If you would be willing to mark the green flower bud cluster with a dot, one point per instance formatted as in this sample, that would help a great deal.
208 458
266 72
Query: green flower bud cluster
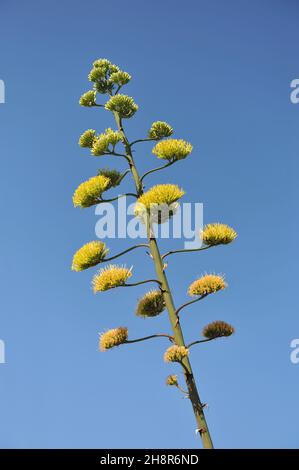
101 143
159 130
113 175
123 105
88 99
120 78
106 75
88 138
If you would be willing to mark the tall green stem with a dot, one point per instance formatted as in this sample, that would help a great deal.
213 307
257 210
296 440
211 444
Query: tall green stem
176 328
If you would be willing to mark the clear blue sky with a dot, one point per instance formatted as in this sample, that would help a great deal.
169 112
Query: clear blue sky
220 73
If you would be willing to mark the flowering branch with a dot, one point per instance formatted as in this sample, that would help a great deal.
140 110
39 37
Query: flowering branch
182 390
101 200
157 169
140 140
125 173
116 154
117 90
126 251
188 303
201 341
141 282
185 251
214 330
172 380
159 335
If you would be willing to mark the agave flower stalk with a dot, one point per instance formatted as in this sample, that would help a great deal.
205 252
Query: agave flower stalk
105 77
193 394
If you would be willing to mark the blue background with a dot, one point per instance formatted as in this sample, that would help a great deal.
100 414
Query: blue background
220 73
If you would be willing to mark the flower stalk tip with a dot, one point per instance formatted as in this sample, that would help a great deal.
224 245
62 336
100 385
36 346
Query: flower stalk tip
101 75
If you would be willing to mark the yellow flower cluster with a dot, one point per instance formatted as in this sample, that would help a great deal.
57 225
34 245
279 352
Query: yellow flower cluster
151 304
172 149
101 143
159 130
123 105
97 73
89 255
120 78
217 329
87 138
172 380
99 146
218 234
159 202
176 353
207 284
88 99
105 65
110 277
113 338
160 194
101 73
89 192
106 75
